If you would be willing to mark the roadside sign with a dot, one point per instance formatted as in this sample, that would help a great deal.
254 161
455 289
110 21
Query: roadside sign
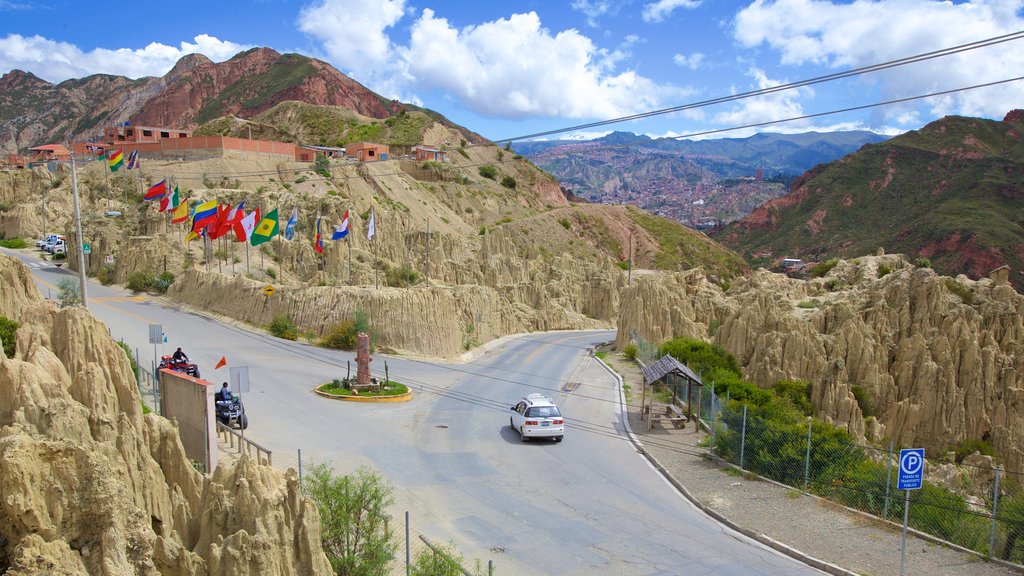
911 469
87 248
109 259
240 379
269 290
156 334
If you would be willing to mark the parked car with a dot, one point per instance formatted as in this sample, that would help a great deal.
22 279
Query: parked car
49 237
59 248
537 416
52 246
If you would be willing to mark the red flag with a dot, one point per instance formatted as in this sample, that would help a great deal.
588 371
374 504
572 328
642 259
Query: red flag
217 228
223 362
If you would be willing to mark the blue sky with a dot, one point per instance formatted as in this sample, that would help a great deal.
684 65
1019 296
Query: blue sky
507 69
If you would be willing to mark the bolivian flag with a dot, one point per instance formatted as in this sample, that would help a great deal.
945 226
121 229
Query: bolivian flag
266 229
115 159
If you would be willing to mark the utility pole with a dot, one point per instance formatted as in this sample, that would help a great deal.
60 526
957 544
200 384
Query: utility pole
629 273
78 225
426 251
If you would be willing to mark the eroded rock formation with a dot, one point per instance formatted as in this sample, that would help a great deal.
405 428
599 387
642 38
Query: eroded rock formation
91 485
939 358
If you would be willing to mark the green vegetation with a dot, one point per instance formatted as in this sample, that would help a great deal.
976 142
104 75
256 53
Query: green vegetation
508 182
922 263
68 293
252 91
282 326
630 351
863 400
131 357
441 561
342 336
488 171
807 304
970 446
624 264
353 519
965 293
105 274
565 223
322 165
344 388
14 243
681 248
884 270
7 336
402 276
145 281
822 268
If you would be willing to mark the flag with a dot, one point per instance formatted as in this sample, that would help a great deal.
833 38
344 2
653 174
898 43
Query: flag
220 226
168 203
156 191
373 227
206 214
234 217
223 362
244 228
318 245
289 228
342 230
115 159
180 213
133 161
266 229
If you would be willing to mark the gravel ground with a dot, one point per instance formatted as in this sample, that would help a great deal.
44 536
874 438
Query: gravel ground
849 542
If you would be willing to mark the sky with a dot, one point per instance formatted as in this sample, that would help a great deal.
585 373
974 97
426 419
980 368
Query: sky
511 69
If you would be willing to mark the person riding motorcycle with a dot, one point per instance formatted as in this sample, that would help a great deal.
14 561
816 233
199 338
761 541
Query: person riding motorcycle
224 394
179 356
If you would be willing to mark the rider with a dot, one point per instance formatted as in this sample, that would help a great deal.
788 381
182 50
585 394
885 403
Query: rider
179 356
224 394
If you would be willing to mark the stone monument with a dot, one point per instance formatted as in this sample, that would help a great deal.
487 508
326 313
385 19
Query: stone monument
363 359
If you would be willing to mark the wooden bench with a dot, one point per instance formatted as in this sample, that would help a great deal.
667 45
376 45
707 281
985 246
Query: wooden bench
672 413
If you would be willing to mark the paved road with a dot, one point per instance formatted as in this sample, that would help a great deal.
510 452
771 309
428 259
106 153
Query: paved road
587 506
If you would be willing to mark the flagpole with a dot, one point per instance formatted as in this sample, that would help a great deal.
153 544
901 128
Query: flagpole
247 257
349 242
106 178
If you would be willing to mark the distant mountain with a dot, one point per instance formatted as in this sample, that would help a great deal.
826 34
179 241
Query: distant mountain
950 192
692 181
196 90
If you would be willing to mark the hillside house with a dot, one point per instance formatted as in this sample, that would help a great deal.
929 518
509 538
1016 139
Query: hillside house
48 153
367 151
15 161
429 153
125 134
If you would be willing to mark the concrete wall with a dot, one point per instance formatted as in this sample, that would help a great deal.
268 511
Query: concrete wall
195 147
190 401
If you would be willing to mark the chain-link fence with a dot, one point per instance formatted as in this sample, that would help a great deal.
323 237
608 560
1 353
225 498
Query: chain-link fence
975 506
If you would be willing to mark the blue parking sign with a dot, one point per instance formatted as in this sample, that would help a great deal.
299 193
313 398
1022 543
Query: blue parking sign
911 475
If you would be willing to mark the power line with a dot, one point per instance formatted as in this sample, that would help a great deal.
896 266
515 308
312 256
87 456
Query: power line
799 84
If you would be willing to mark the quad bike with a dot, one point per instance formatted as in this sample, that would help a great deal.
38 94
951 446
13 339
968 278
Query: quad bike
179 366
231 413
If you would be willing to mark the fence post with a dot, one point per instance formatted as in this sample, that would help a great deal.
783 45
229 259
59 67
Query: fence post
408 566
995 510
711 422
490 568
743 436
807 459
888 482
300 469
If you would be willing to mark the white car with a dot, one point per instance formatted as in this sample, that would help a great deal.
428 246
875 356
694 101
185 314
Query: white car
53 245
48 238
537 416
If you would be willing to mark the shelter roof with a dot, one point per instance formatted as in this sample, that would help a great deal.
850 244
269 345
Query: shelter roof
55 148
668 365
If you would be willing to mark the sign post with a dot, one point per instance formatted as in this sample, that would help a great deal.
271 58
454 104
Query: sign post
911 477
156 336
239 376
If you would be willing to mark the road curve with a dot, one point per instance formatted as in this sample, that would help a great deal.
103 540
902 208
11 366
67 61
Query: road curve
587 506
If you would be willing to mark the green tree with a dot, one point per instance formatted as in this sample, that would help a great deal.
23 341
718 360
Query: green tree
488 171
68 293
353 520
444 561
7 329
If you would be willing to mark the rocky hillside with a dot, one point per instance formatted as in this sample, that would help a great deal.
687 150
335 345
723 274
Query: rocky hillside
92 485
950 192
505 252
695 182
938 359
196 90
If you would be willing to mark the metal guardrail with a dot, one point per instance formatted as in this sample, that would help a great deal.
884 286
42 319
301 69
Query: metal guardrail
230 434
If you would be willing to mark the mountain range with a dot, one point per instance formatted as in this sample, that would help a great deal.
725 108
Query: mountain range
948 194
694 181
196 90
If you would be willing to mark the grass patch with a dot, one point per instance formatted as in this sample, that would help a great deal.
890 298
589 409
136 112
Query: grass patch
342 388
965 293
822 268
14 243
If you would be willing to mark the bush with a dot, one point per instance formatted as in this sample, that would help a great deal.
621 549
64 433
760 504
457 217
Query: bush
488 171
14 243
797 393
401 276
700 356
863 400
629 351
445 561
131 357
342 336
508 182
7 329
623 264
140 281
162 282
271 273
884 270
353 519
282 326
970 446
965 293
823 268
68 293
105 274
565 223
922 263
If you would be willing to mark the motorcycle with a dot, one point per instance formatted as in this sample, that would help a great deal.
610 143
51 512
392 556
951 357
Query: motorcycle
179 366
231 413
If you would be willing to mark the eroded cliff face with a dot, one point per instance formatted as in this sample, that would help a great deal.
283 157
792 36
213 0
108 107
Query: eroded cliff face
91 485
940 358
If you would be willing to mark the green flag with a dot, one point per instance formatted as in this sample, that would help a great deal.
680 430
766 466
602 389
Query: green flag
266 229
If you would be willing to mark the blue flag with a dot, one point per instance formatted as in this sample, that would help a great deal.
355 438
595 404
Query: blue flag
289 228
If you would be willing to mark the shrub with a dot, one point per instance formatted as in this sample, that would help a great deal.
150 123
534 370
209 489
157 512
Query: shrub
131 357
140 281
162 282
323 165
482 230
629 351
823 268
105 274
863 400
883 270
341 336
623 264
271 273
68 293
488 171
282 326
7 329
508 182
565 223
970 446
401 276
14 243
301 179
965 293
353 519
922 263
442 561
797 392
700 356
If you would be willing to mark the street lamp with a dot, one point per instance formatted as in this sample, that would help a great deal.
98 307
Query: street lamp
78 224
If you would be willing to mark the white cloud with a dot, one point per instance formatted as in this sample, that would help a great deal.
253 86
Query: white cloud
766 108
658 11
509 68
693 61
56 61
864 32
594 9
